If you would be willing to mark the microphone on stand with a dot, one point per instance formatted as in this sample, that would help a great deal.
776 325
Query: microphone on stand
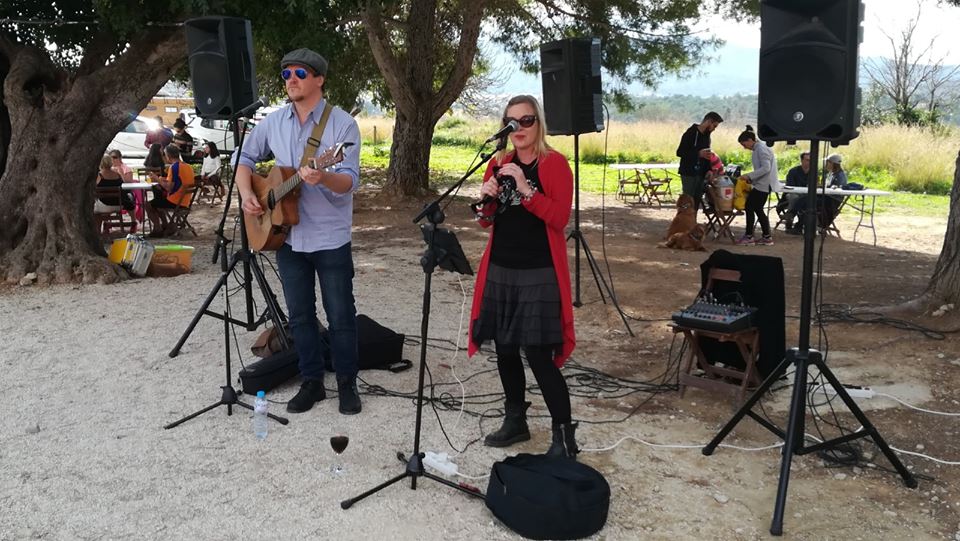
252 108
509 128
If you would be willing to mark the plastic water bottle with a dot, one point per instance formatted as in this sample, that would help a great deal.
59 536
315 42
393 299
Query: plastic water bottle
260 416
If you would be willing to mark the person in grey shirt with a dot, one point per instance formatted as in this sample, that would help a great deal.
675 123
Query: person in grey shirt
763 179
318 247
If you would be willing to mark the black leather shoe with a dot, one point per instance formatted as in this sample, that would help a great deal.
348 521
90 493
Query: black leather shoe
349 396
311 392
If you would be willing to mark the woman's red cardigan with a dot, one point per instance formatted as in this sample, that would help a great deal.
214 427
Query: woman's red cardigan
553 207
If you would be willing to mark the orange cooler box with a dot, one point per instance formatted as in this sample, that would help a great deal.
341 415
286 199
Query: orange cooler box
170 260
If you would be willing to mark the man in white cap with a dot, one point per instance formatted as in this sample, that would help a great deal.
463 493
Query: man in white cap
318 247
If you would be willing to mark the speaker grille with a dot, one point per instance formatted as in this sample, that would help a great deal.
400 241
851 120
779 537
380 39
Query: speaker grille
221 65
801 104
210 76
572 90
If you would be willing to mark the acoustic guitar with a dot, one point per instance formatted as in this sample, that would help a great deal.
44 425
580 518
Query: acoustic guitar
278 194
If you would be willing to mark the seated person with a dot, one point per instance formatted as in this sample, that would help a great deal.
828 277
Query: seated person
171 193
793 204
182 139
108 178
210 172
829 207
154 163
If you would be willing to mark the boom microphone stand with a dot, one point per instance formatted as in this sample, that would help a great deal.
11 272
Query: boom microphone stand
228 397
580 241
802 357
443 250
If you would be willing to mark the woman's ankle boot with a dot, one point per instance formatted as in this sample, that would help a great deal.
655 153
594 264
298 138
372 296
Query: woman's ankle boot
514 428
564 441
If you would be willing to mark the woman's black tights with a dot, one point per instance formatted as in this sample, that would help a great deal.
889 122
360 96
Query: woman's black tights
549 378
756 200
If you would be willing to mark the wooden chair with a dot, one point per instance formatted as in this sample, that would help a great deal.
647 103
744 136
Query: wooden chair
629 185
718 221
662 177
653 187
179 216
719 375
214 190
113 218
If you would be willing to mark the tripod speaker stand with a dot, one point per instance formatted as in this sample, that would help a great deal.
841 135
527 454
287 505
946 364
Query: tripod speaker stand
579 241
250 267
443 250
802 357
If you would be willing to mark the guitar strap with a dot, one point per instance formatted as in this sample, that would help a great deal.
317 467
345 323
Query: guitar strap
313 142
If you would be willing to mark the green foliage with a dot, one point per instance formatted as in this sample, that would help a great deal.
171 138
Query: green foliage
641 41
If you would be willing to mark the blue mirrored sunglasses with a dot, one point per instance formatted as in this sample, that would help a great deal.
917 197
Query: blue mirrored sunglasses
287 73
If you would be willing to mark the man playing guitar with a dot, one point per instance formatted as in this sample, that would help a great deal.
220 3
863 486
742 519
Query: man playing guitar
319 244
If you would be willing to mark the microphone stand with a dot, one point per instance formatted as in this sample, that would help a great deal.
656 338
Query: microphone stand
446 258
273 312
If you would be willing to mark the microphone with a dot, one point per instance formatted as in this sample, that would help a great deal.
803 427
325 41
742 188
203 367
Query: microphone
252 108
511 127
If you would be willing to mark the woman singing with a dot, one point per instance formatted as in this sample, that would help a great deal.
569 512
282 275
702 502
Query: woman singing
522 295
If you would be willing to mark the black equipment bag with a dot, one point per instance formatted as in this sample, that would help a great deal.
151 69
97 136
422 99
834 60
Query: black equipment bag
269 372
377 347
541 497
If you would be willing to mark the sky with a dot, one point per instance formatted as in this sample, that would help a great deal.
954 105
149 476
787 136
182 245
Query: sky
733 68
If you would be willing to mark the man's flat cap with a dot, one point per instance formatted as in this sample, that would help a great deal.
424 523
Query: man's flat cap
308 58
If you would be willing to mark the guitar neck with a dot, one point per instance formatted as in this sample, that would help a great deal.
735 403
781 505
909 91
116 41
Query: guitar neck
287 186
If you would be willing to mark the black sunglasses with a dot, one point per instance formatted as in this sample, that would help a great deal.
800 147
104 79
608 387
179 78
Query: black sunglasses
525 121
287 73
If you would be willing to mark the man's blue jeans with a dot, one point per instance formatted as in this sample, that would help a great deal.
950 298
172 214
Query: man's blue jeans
334 269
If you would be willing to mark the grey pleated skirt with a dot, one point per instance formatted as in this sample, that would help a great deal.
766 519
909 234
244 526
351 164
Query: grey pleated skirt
520 307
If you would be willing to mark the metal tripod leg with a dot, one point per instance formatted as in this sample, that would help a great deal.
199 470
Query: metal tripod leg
597 277
272 312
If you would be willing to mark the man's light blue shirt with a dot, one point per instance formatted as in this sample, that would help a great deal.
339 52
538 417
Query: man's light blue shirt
325 216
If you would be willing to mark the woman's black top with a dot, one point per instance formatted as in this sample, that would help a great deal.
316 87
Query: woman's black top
127 201
519 237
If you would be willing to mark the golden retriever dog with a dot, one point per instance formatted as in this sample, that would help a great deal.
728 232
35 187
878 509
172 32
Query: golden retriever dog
690 240
685 219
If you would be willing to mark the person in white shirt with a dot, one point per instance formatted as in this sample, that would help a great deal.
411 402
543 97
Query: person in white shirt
763 178
210 171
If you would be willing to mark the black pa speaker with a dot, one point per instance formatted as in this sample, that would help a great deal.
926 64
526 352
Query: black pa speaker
808 70
572 94
222 69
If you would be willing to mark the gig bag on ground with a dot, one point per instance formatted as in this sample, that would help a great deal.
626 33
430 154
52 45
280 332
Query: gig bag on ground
542 497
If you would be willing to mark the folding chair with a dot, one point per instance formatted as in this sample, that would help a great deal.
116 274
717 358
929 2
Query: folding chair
662 176
179 217
718 221
652 188
631 180
727 377
113 218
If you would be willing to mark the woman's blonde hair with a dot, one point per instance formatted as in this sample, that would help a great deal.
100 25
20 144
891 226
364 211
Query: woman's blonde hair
541 147
106 162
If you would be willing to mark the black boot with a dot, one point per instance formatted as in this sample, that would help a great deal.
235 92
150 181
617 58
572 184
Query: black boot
349 396
514 428
564 443
311 392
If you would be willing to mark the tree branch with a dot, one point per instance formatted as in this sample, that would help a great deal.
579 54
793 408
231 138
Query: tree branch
390 65
103 45
465 55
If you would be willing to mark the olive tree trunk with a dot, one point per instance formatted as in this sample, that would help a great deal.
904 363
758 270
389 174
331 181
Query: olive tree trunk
944 286
60 123
421 92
